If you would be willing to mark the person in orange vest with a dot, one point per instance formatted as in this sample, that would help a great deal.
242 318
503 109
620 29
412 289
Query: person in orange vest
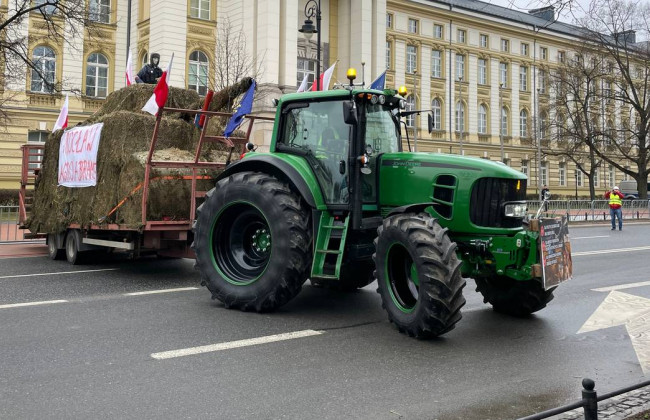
615 198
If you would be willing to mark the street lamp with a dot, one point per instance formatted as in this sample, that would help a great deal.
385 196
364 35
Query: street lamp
503 156
312 9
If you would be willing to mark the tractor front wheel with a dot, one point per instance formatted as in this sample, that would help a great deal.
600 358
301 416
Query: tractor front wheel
418 275
252 242
512 297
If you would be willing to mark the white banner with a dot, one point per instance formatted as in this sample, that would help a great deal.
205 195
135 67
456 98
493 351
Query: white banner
78 156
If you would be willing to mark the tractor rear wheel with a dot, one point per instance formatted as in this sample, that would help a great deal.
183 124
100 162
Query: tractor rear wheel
418 275
512 297
252 242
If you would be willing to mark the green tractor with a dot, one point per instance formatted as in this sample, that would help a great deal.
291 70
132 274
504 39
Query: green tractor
336 200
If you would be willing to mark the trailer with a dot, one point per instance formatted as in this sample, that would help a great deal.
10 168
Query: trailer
165 238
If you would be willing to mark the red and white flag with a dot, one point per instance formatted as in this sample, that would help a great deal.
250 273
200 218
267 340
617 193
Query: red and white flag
303 85
62 122
325 79
129 70
160 92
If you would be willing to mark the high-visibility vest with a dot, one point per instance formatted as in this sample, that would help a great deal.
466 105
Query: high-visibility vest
614 199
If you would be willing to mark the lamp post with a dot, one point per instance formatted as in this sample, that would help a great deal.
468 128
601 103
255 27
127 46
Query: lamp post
460 120
312 9
576 184
503 156
415 117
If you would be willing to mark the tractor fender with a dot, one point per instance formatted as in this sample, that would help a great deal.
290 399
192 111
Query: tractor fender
278 168
411 208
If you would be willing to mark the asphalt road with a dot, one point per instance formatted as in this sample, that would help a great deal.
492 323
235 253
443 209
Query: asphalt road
87 351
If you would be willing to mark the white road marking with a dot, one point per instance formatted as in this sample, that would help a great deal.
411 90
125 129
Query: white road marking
610 251
591 237
153 292
20 305
57 273
620 308
622 286
234 344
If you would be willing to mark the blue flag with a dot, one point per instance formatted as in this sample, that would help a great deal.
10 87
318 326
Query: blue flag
379 82
242 110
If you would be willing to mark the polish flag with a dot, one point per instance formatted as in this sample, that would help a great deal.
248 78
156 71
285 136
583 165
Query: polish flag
325 79
160 92
129 70
62 122
303 85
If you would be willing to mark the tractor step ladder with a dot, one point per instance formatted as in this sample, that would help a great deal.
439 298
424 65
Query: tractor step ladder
325 247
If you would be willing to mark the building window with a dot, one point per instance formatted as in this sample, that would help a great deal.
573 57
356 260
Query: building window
49 9
524 49
145 59
43 75
198 77
544 173
505 45
438 31
200 9
482 119
612 176
596 178
524 167
436 109
562 174
504 121
460 66
36 137
561 56
99 11
389 54
482 71
579 175
626 177
410 106
308 68
389 20
436 63
483 41
97 75
503 74
543 52
543 126
411 58
523 123
461 36
523 78
542 81
413 26
607 91
460 117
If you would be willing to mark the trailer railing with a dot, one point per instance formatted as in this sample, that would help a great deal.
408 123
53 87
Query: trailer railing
588 210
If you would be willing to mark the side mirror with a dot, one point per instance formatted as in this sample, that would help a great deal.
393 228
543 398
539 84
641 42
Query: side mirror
275 102
350 112
430 122
250 147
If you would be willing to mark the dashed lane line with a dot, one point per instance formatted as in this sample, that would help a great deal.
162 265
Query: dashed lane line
610 251
590 237
57 273
23 304
153 292
622 286
234 344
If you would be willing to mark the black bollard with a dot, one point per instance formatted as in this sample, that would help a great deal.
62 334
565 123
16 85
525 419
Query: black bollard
604 216
589 399
586 217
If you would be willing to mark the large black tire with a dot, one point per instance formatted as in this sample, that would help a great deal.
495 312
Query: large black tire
354 275
252 241
53 250
418 275
512 297
72 245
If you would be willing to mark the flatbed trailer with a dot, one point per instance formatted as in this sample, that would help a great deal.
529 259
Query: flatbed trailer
166 238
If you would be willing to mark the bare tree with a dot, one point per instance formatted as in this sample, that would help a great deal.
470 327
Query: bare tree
57 21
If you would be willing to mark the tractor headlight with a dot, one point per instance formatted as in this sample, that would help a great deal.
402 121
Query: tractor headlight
382 99
374 99
515 210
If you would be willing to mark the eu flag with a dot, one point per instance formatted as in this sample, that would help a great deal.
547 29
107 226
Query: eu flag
242 110
379 82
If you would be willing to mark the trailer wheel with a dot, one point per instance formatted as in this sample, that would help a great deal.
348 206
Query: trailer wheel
354 275
72 253
512 297
53 250
252 241
418 275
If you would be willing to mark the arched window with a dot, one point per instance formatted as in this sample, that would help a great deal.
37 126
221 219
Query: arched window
410 106
198 78
44 73
97 75
482 119
504 121
145 59
436 108
460 116
523 123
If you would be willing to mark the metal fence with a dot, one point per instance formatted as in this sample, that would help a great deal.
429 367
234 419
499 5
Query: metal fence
9 230
587 210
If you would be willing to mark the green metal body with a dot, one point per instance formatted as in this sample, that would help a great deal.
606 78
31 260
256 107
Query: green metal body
406 178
